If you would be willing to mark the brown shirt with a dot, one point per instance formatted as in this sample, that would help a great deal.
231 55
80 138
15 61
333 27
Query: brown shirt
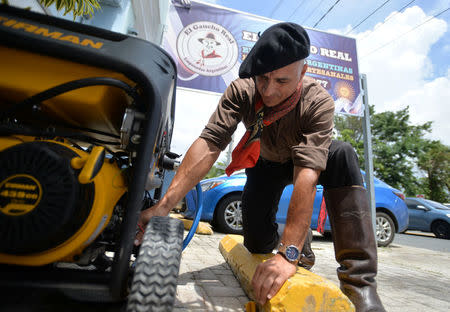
303 135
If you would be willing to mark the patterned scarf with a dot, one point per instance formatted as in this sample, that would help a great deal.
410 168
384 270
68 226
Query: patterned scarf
322 217
246 153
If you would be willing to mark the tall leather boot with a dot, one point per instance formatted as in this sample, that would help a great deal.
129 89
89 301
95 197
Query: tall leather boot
308 258
354 246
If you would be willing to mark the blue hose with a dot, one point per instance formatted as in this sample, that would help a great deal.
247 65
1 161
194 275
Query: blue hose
198 213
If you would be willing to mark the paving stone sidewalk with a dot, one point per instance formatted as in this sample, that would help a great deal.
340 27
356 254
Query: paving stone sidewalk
206 282
409 279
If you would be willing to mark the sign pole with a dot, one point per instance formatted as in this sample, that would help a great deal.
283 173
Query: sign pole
368 155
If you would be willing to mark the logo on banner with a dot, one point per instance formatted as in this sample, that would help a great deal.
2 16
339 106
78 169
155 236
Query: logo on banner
207 48
345 101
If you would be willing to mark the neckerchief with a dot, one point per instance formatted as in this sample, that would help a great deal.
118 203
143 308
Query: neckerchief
246 153
322 217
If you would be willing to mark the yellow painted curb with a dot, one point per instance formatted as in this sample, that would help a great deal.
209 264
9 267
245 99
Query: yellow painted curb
305 291
203 227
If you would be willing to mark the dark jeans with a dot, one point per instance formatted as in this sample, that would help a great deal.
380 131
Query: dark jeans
266 181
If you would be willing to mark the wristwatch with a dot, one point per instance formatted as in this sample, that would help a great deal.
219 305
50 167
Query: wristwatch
290 253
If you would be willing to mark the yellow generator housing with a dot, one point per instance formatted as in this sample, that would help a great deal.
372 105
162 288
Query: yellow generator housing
86 119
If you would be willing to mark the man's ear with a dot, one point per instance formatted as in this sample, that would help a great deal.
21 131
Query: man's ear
304 69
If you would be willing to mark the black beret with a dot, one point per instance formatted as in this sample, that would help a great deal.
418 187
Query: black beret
279 45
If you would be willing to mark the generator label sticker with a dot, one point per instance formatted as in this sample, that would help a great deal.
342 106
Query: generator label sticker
19 194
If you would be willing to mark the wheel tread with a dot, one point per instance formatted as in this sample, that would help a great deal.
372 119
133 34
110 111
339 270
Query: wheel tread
157 266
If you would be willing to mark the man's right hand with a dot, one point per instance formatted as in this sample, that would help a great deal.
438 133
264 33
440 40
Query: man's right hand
198 160
144 219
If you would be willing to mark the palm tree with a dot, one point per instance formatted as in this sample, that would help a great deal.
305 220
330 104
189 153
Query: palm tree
77 7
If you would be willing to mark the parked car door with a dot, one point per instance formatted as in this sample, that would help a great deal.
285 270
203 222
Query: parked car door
284 205
417 215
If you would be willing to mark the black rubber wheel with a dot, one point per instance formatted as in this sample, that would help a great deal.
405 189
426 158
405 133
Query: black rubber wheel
441 229
157 266
385 229
228 215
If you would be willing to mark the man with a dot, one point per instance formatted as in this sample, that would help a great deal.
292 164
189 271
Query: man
289 121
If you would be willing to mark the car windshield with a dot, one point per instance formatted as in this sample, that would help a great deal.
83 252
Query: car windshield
436 205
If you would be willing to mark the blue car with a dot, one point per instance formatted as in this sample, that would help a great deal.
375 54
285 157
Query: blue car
428 216
222 206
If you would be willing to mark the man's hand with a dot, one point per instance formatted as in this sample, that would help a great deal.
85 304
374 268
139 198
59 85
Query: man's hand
270 276
198 160
144 218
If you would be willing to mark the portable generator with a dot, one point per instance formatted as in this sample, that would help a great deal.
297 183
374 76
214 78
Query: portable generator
86 120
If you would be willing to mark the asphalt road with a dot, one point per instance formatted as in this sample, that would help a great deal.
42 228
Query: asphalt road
415 239
422 240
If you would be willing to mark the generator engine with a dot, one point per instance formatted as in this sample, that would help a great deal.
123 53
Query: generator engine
55 199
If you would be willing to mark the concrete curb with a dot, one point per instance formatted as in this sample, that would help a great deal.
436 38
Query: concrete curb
305 291
203 227
417 233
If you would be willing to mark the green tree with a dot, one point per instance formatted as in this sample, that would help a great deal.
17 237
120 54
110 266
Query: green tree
435 162
76 7
396 144
349 129
216 170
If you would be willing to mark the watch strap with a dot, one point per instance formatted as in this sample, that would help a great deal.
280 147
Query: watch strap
282 248
295 262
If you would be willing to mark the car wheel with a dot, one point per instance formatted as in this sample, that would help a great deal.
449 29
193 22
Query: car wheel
441 229
228 215
385 229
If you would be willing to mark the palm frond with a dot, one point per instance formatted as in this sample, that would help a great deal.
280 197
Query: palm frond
76 7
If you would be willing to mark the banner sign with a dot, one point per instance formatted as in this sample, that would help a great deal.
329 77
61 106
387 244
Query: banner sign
210 42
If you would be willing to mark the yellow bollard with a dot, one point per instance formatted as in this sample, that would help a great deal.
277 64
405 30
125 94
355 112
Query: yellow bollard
203 227
304 291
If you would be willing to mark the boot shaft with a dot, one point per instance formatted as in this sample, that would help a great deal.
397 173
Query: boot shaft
354 245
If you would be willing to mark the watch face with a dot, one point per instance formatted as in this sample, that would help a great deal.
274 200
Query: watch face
292 253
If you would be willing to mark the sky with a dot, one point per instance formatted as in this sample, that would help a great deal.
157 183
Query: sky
402 49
